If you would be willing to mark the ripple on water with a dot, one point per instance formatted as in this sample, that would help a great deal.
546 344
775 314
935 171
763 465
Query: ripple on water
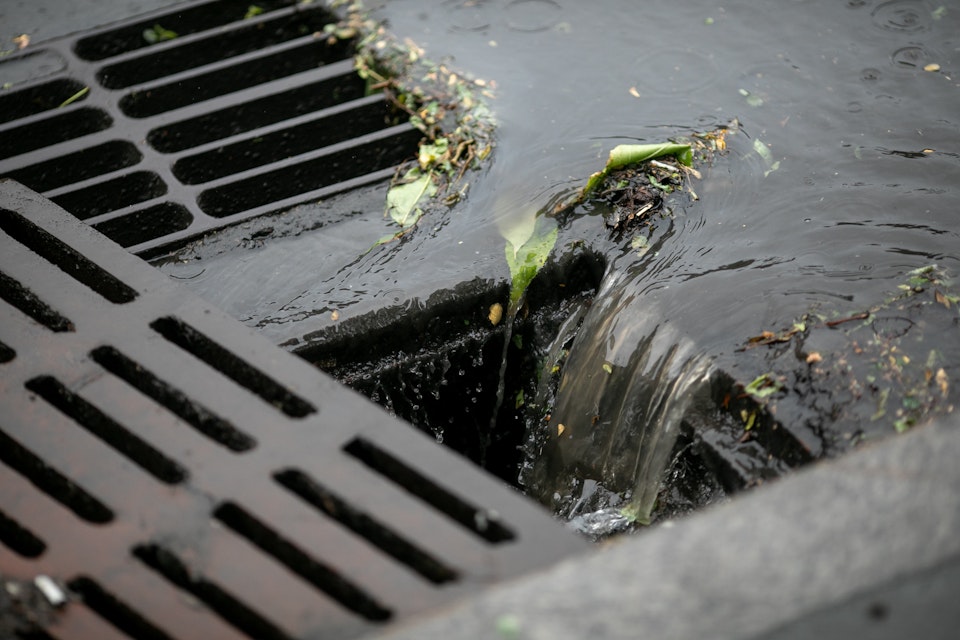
529 16
906 16
910 58
468 15
674 71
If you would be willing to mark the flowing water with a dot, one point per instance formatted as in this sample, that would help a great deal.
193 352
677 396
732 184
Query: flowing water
842 178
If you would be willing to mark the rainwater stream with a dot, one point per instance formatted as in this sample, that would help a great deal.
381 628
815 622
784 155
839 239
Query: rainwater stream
856 104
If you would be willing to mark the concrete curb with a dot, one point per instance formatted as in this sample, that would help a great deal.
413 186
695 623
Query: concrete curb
863 546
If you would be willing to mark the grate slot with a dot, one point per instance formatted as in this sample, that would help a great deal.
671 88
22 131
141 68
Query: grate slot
167 564
248 192
77 166
229 364
183 22
65 257
256 113
288 554
37 99
20 539
111 195
50 131
6 353
115 611
109 431
245 74
146 224
23 299
51 482
272 147
246 37
366 527
199 417
483 523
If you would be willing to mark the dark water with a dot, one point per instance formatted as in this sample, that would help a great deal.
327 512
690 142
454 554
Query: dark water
859 185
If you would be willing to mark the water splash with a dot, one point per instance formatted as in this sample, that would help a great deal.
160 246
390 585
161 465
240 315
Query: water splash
628 382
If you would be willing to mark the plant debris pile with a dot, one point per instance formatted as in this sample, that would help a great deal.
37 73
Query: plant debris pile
875 372
449 108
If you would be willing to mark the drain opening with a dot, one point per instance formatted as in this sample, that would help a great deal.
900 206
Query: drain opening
200 418
50 131
80 165
115 611
183 22
93 420
366 527
243 75
317 574
283 144
19 539
485 524
242 39
34 100
51 482
65 257
257 113
308 175
112 194
233 611
6 353
23 299
146 224
232 366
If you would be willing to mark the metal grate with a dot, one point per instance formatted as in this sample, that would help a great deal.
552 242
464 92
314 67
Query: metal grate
184 478
237 116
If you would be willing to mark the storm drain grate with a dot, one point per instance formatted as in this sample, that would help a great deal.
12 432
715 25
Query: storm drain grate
184 478
243 113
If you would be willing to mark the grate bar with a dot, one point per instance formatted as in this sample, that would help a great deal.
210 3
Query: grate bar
217 84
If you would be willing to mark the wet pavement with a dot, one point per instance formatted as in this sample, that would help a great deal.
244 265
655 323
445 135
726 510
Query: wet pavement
864 132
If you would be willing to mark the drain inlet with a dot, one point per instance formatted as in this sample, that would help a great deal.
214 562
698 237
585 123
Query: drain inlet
483 523
19 539
115 611
65 258
51 482
77 166
363 525
202 419
235 368
23 299
171 567
288 554
93 420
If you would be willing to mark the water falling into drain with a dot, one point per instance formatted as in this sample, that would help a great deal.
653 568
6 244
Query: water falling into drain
625 388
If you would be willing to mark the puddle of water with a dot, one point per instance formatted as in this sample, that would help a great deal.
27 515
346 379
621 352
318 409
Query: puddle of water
867 150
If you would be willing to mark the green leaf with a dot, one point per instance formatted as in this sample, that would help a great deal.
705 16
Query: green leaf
430 153
626 154
74 97
252 12
158 34
526 260
762 386
402 198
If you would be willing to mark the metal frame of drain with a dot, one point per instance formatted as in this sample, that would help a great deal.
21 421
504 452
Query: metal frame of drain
237 116
182 477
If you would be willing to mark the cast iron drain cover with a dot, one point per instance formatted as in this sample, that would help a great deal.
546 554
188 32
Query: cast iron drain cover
184 478
236 116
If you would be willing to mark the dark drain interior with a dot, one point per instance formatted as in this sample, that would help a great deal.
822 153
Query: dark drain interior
241 113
